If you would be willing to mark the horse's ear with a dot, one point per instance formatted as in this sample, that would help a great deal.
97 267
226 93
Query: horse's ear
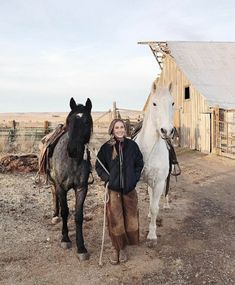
72 104
154 87
170 87
88 104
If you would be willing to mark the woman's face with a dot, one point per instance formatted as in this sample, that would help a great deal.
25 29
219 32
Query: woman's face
119 130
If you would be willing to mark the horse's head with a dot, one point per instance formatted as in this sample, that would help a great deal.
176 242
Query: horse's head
79 125
161 110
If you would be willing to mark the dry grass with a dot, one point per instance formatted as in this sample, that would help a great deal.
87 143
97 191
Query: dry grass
4 145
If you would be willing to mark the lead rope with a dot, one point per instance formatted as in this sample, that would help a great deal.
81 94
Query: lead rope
105 200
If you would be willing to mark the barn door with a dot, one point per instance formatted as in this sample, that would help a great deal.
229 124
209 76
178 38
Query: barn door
205 132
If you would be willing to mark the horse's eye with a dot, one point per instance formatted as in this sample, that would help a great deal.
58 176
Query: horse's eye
173 104
154 104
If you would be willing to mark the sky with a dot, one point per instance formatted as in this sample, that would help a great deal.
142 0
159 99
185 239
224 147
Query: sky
52 50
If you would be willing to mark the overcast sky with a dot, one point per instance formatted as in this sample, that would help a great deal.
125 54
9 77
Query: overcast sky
51 50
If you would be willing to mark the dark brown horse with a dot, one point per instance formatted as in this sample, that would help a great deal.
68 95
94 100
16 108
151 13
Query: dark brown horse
70 168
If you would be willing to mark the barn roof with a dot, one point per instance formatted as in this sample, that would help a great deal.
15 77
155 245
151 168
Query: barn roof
209 66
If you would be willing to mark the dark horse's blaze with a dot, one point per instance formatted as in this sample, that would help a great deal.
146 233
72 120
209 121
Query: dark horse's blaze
70 168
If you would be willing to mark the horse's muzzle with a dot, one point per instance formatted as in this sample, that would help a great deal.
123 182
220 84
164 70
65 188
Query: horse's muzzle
167 134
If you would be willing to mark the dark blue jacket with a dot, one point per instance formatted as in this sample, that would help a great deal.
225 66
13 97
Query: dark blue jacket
124 174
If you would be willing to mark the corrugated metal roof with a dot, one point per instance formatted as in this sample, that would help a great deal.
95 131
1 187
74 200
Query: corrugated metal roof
210 67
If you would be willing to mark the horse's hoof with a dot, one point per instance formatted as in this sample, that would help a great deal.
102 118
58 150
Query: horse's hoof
83 256
151 243
166 206
55 220
66 245
151 236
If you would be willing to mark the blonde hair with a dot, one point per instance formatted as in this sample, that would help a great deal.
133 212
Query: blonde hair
112 140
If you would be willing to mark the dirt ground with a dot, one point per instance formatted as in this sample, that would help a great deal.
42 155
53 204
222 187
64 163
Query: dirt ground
195 244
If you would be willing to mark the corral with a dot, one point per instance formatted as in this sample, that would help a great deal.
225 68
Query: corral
195 237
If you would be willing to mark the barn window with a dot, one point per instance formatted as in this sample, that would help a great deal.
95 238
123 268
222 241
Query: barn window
186 93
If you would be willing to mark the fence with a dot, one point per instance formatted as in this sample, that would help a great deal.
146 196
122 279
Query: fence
16 137
21 139
224 132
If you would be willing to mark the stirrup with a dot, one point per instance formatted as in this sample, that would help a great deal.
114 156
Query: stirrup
176 171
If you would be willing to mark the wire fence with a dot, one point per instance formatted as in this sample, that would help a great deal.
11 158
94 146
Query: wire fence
21 139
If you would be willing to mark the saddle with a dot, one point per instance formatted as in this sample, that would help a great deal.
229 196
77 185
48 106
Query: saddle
47 146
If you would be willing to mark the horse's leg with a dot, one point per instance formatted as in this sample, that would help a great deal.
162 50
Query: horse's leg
65 241
80 198
56 206
154 207
166 202
150 192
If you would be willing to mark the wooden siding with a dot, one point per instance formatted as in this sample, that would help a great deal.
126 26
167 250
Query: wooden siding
192 118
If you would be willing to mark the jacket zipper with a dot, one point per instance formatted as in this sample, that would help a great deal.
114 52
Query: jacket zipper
121 166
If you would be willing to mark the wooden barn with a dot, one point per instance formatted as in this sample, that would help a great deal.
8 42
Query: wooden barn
203 80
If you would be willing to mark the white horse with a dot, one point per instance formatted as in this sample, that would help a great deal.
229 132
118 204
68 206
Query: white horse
157 126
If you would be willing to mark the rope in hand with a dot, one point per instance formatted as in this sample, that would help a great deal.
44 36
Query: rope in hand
105 200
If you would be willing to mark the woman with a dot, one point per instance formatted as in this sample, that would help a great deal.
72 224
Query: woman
124 162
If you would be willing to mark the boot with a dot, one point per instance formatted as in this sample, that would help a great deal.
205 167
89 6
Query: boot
114 256
123 255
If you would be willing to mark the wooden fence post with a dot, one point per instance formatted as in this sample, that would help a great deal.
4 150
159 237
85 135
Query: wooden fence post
217 131
114 110
14 124
110 115
46 127
128 127
12 132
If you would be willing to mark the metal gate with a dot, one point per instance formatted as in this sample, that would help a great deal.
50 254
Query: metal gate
224 132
